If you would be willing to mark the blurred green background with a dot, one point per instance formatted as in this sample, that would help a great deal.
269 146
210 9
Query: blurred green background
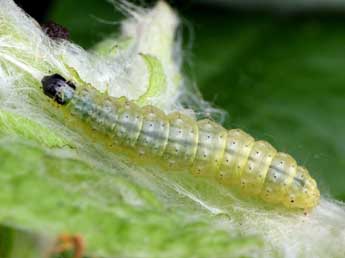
279 74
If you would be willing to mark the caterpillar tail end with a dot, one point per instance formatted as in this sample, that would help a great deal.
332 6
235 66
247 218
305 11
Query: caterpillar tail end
307 198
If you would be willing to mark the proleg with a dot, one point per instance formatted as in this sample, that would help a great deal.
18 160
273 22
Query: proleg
203 147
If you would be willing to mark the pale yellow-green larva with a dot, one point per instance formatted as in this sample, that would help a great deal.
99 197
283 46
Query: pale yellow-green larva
203 147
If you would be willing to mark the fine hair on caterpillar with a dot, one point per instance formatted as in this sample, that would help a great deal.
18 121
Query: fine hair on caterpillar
203 147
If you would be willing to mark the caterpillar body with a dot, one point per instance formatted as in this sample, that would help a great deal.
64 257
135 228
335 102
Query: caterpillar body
233 157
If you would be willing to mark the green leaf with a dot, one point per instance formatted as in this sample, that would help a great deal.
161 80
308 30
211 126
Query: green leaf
6 241
13 124
156 81
48 193
15 242
111 46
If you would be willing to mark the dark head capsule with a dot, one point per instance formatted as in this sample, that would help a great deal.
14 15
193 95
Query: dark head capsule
57 88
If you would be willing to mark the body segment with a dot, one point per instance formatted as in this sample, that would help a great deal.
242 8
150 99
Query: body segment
182 141
204 147
154 135
210 149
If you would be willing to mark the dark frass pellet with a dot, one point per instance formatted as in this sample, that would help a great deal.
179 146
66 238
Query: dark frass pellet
55 31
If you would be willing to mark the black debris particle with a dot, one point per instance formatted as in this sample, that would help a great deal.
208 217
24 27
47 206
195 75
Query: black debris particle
55 31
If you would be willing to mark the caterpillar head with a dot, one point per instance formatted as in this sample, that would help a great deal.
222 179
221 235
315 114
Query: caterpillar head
57 88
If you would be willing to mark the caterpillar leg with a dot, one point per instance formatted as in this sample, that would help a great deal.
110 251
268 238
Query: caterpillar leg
68 244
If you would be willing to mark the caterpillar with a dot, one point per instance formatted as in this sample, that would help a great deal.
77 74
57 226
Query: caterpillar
204 147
